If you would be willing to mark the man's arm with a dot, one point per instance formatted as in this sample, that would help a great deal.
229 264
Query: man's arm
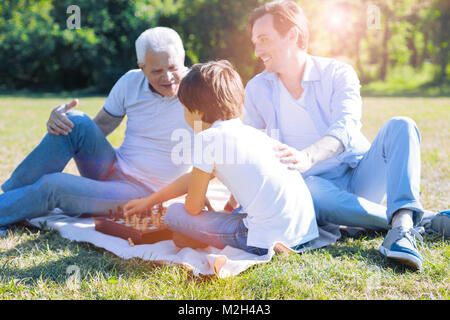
324 149
302 160
345 124
106 122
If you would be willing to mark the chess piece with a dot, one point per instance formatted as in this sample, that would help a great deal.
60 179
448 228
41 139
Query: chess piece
154 217
144 224
138 223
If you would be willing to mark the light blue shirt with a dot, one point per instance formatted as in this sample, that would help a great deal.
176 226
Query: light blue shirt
331 98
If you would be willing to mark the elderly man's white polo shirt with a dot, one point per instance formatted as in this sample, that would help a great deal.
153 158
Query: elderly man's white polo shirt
145 153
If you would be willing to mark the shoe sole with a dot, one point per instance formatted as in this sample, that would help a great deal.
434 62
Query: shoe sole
402 258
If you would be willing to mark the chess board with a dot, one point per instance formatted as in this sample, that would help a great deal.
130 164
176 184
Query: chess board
145 229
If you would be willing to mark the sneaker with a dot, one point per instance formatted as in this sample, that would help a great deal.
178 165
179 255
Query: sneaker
440 223
400 245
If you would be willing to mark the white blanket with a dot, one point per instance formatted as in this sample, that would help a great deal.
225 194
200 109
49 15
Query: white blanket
208 261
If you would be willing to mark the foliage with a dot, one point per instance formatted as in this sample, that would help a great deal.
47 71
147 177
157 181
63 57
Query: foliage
38 51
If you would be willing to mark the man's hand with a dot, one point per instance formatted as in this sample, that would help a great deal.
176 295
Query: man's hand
297 160
59 123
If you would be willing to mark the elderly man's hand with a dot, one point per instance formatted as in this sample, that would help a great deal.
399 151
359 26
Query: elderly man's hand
296 160
59 123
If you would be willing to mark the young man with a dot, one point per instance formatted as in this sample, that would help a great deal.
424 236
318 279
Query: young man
278 206
313 104
109 177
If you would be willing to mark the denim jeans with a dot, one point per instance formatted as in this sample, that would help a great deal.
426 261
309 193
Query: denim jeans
38 186
217 229
390 168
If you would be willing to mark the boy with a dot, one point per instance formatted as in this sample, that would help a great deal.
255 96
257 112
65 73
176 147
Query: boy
278 205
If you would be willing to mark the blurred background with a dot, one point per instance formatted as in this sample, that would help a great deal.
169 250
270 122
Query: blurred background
397 47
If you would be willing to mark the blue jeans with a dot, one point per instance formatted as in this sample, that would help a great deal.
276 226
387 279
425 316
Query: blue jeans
390 168
217 229
38 186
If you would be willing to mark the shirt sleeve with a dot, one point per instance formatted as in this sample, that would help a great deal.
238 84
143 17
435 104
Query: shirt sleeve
345 106
251 115
204 152
115 103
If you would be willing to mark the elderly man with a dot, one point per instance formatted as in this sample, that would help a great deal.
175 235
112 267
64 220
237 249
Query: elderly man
109 177
313 105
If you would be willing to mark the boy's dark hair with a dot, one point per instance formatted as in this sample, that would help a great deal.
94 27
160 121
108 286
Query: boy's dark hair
286 14
214 89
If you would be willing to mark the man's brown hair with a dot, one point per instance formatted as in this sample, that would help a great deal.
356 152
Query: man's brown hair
214 89
286 14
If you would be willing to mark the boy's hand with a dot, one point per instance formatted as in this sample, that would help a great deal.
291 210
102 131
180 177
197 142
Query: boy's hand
137 207
208 205
297 160
230 205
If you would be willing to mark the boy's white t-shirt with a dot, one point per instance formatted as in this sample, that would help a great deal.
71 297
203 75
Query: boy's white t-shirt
277 201
154 123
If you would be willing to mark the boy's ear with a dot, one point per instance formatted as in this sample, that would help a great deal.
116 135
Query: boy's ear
139 65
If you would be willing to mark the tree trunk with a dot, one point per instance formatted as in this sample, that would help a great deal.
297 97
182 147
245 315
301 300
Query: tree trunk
385 51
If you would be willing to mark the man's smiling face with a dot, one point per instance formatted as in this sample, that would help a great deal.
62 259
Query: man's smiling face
270 46
164 71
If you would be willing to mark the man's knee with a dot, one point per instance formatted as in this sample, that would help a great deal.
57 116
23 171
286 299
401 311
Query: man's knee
50 183
77 116
81 121
403 125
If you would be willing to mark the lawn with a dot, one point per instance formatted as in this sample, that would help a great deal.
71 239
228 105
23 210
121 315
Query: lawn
36 264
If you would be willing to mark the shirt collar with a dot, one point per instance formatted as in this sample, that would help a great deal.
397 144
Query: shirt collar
220 123
311 73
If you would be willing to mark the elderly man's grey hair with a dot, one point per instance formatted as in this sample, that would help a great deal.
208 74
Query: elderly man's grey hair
156 40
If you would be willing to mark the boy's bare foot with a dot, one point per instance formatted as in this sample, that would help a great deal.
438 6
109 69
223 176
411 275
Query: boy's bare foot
280 248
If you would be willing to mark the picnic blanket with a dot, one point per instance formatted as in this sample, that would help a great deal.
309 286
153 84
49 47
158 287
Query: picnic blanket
223 263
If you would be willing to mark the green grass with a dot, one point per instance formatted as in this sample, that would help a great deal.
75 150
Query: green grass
34 263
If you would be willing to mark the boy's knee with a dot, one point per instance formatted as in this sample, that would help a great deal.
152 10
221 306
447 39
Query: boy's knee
174 212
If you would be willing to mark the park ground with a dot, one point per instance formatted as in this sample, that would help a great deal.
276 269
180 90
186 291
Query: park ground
34 263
